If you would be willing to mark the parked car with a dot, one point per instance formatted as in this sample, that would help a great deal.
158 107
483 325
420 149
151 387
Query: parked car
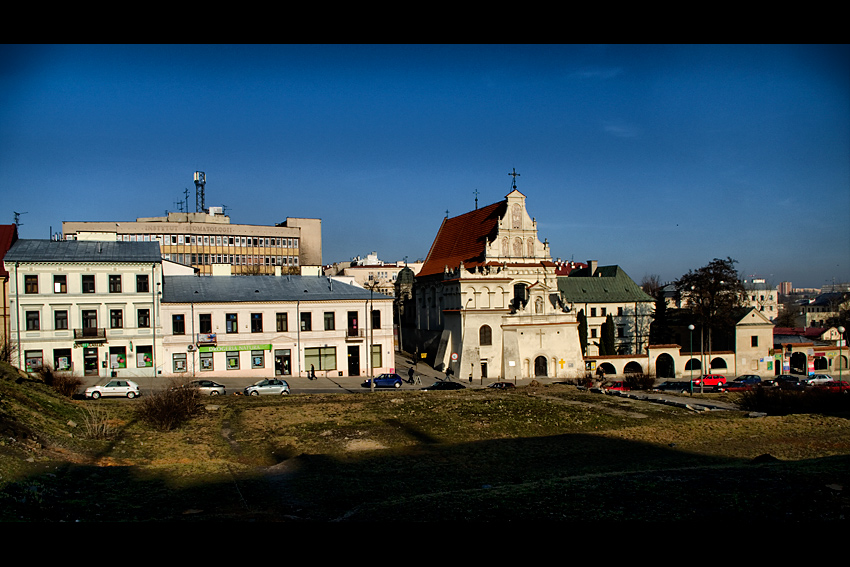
619 386
709 380
673 386
384 381
741 383
208 387
788 382
445 386
268 386
815 379
502 385
835 386
114 388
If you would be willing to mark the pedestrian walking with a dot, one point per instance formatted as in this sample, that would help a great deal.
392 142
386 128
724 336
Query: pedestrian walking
312 375
410 375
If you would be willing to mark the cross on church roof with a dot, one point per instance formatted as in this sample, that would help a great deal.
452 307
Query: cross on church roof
514 174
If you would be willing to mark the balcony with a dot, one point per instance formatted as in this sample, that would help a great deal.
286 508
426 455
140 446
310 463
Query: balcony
90 334
355 334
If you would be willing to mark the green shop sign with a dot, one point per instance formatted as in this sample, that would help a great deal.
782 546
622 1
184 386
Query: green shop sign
230 348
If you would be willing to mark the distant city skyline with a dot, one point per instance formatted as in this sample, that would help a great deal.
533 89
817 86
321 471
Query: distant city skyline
655 158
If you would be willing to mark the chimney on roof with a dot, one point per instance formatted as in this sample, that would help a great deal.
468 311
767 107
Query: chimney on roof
592 265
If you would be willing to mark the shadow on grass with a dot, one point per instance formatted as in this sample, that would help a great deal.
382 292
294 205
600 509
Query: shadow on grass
575 477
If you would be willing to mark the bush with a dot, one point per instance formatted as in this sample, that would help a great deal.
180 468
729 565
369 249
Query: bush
639 381
168 408
775 401
63 382
97 422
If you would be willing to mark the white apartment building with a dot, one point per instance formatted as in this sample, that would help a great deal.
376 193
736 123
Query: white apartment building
274 325
86 307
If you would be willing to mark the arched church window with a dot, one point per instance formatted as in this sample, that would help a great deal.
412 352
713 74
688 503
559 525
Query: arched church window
485 335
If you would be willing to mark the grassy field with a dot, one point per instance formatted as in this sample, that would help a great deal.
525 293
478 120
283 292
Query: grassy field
537 453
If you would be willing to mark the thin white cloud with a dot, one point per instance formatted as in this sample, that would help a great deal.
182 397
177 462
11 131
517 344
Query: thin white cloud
621 130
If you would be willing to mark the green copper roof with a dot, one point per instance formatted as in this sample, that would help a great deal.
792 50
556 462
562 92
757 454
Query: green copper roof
609 284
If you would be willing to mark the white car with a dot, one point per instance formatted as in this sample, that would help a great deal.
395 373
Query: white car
816 379
114 388
271 386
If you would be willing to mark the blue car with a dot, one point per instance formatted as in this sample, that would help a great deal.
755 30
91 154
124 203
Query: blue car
384 381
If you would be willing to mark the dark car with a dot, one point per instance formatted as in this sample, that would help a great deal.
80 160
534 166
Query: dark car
742 383
384 381
834 386
445 386
673 386
501 385
788 382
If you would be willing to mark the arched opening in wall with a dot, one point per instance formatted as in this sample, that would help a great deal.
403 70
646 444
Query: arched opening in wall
841 362
799 362
608 368
718 363
485 335
633 368
821 363
665 366
693 364
541 367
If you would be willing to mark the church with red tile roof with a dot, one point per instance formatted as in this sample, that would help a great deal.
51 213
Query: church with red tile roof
490 288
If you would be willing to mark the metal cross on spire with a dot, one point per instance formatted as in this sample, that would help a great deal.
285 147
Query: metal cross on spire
514 174
476 198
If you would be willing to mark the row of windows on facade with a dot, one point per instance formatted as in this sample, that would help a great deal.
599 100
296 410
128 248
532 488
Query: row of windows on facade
89 319
485 334
231 322
63 360
321 359
240 241
232 259
87 283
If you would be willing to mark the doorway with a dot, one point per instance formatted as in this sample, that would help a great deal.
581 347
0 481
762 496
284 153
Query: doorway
541 367
354 361
90 361
282 362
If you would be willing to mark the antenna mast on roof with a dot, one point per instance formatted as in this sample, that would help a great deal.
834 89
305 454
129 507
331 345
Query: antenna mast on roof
200 182
18 217
514 174
476 198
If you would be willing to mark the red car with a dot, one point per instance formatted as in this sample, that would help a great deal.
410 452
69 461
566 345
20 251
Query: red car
710 380
618 386
834 386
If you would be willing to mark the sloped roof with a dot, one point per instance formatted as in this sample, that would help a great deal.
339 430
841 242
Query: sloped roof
8 236
810 332
608 284
83 251
228 289
464 238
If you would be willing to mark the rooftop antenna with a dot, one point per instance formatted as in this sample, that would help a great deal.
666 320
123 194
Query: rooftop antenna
476 198
514 174
18 217
200 183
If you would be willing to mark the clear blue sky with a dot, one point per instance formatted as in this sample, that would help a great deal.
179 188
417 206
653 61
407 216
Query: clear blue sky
656 158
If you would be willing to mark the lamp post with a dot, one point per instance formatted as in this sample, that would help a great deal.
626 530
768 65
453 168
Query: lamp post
691 361
840 360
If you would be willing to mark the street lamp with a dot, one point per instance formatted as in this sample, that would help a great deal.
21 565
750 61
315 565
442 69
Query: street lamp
691 360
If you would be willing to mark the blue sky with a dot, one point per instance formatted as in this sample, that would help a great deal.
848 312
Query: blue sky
656 158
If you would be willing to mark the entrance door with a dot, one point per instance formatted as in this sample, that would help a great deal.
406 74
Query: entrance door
90 361
354 361
282 362
540 366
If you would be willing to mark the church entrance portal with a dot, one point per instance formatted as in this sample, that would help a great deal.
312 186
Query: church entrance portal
540 366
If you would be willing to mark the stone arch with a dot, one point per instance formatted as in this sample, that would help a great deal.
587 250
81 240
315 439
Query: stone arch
719 363
485 298
608 368
799 362
517 251
633 367
665 366
499 298
693 364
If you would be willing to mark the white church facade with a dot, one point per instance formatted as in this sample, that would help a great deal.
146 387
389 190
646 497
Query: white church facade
489 287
